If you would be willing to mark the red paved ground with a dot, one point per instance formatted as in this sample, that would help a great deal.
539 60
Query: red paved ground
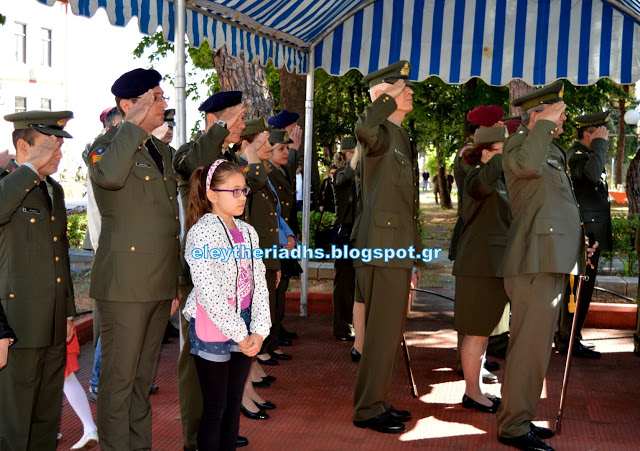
314 396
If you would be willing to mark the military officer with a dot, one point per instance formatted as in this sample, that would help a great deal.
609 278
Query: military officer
386 218
586 159
223 117
37 290
137 259
344 282
546 218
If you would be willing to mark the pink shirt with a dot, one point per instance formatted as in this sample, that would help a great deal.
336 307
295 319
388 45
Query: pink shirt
245 277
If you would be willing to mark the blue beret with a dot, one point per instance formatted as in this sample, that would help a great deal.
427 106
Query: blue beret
221 100
283 118
135 83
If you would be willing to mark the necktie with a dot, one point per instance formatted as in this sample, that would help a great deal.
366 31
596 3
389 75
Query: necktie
285 173
45 191
155 155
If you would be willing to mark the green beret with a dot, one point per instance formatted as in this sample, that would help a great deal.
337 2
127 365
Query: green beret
390 74
489 135
347 143
593 120
279 137
549 94
255 126
46 122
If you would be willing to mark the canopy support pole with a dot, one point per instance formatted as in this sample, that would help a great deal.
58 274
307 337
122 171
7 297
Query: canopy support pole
180 8
306 193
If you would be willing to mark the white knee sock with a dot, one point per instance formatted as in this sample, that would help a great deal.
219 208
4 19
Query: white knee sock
78 399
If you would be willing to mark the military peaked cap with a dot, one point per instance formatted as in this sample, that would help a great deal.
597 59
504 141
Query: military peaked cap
255 126
390 74
170 117
348 142
490 135
279 137
549 94
593 120
46 122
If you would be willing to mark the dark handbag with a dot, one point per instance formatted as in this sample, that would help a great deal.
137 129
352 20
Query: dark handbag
326 237
290 268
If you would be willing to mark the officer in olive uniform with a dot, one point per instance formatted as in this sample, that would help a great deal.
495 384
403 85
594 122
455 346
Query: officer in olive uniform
545 244
344 190
223 116
37 290
586 159
137 260
389 196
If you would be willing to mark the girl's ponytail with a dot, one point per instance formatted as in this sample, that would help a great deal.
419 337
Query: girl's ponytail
198 204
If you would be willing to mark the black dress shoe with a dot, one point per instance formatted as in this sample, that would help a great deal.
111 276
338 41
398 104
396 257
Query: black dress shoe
500 353
469 403
541 432
578 351
241 441
269 378
286 334
259 415
381 423
348 337
400 415
268 405
280 356
528 441
491 366
284 342
588 344
355 355
268 361
153 390
261 384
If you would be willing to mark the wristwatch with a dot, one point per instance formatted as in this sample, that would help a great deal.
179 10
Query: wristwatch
221 123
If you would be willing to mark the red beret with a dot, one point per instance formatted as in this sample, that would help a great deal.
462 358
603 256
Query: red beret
103 115
485 115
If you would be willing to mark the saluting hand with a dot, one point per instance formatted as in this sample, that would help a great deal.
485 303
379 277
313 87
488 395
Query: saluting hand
161 131
140 109
44 153
600 132
552 112
232 115
296 137
251 151
395 89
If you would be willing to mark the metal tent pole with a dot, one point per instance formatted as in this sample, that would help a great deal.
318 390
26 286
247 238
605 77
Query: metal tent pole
306 193
180 9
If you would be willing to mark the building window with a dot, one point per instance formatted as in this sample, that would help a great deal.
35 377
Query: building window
21 42
46 47
45 104
21 104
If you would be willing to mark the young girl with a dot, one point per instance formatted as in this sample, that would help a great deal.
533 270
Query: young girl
228 308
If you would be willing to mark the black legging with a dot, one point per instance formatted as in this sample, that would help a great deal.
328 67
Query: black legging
222 384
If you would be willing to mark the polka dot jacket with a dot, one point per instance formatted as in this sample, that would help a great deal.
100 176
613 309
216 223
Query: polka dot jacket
215 281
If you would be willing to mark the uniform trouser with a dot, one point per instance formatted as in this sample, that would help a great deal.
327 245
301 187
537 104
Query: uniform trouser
131 334
270 343
281 297
31 398
386 293
535 303
189 393
344 285
566 318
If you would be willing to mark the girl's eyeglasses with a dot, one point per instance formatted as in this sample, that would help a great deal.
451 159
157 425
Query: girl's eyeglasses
236 192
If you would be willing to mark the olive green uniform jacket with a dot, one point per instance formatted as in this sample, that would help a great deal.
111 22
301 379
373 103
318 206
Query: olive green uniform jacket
138 257
286 191
388 189
36 288
460 170
486 217
546 235
586 165
344 178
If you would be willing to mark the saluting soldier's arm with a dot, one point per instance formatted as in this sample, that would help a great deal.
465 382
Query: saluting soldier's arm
110 163
481 179
590 169
14 187
204 150
368 130
526 159
256 176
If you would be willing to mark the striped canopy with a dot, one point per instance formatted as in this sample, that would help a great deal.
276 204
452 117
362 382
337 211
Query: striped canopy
538 41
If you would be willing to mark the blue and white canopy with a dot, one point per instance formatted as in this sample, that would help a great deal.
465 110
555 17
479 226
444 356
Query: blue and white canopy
538 41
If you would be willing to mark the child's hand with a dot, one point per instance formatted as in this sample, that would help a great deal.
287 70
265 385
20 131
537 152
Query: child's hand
244 344
255 343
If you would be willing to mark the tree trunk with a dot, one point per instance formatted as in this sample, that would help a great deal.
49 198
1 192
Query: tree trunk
293 88
443 186
235 74
617 176
517 88
633 185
